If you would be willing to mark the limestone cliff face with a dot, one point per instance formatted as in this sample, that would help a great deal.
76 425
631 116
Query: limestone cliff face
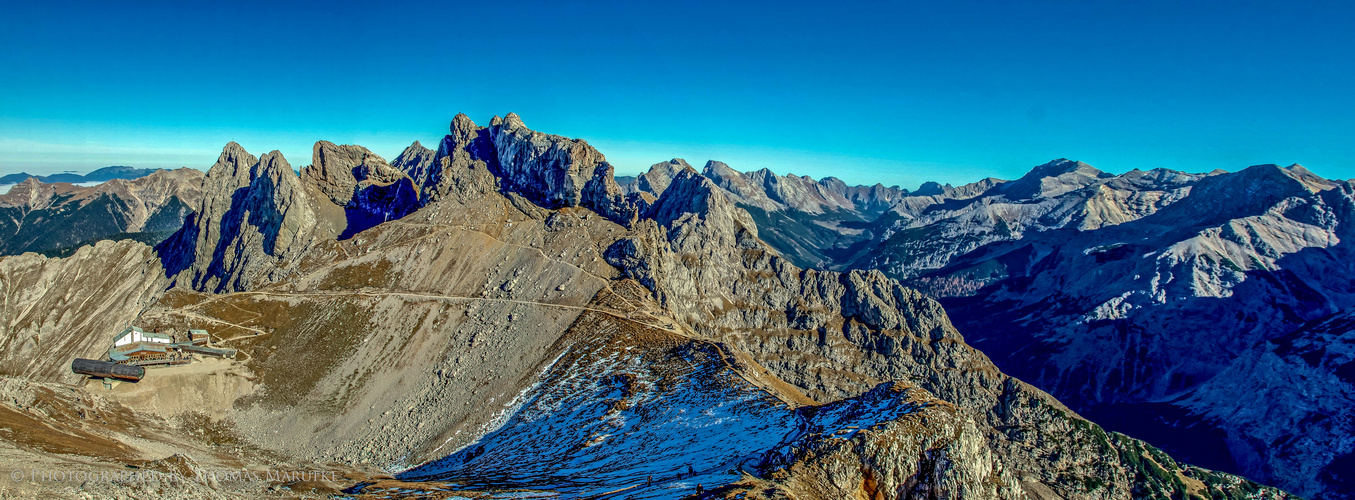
415 161
464 166
338 170
554 171
255 221
369 190
548 170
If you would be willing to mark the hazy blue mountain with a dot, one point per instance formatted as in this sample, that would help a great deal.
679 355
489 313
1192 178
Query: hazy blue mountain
100 175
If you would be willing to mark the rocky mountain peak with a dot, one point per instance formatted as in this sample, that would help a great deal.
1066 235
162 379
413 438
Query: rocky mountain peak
1064 166
254 220
1312 181
336 170
273 163
656 180
369 190
837 184
1251 190
462 126
744 188
933 188
416 161
717 168
31 194
1053 179
555 171
233 161
689 193
512 121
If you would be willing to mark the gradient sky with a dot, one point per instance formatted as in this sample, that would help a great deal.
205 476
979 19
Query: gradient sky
897 93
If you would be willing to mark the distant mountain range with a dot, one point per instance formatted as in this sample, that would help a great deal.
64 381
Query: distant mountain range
1143 300
58 218
100 175
504 315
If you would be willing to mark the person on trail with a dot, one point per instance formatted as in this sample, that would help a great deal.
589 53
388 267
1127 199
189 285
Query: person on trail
690 471
649 481
699 492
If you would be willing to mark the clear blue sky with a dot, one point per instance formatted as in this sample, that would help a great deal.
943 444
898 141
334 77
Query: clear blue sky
894 92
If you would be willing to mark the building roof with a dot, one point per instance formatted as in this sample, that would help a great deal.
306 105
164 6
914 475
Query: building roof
223 352
136 334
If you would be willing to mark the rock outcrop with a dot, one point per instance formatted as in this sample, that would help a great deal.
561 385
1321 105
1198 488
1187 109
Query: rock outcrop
893 441
254 223
548 170
554 171
369 190
416 162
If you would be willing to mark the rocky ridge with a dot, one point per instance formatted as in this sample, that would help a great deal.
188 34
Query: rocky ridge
807 221
255 221
834 335
369 190
427 339
926 231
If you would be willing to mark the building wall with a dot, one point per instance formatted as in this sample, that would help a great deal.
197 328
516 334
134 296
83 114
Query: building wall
139 336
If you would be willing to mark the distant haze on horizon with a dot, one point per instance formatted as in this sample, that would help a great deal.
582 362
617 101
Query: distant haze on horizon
895 94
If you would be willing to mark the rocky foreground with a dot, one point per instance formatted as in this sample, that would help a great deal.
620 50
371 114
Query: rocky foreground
502 318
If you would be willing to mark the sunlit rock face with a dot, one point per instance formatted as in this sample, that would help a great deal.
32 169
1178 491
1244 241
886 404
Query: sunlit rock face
255 221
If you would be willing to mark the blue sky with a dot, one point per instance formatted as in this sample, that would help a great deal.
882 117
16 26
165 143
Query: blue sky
898 92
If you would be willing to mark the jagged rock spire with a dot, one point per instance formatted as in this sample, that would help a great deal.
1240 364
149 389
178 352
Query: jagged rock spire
254 220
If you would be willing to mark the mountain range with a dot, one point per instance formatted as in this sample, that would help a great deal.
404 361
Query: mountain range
100 175
502 316
57 218
1138 298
